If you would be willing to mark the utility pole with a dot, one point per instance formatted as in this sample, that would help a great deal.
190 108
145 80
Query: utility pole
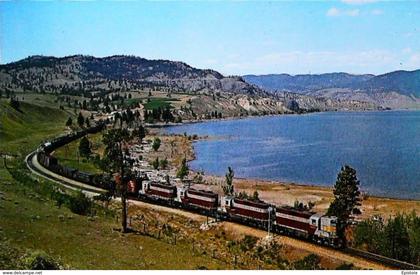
269 221
123 190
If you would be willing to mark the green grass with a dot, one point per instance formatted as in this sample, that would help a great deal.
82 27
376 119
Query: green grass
30 220
82 243
21 131
68 155
159 102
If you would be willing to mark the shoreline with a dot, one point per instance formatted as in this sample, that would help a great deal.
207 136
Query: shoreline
193 157
276 191
185 122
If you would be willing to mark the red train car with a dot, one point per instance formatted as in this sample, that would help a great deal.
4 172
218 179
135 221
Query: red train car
200 198
257 210
132 187
288 218
160 190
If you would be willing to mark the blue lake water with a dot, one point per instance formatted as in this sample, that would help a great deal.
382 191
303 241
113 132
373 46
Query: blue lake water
384 148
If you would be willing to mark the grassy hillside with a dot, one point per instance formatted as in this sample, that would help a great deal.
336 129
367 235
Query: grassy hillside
68 155
31 220
22 130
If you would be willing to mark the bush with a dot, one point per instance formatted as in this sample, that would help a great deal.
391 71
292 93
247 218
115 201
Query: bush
39 260
310 262
9 256
248 242
80 204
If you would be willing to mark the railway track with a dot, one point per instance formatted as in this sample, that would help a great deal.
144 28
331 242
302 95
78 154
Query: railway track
91 191
382 259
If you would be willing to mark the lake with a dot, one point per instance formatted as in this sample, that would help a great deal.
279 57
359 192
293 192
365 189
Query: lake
384 148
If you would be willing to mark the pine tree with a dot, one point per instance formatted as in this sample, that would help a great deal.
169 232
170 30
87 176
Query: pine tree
80 119
228 187
156 144
84 147
256 196
114 162
396 240
155 163
141 133
69 122
183 170
346 197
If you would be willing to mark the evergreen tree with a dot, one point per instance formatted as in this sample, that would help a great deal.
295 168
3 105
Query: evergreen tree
84 147
228 187
156 144
396 240
14 103
80 119
346 198
256 196
183 170
155 163
141 133
163 163
114 162
69 122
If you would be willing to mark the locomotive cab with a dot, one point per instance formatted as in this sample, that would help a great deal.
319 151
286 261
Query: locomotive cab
144 187
226 203
181 193
326 228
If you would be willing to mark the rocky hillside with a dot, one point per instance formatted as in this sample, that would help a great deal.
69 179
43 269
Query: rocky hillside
306 82
79 73
89 76
399 89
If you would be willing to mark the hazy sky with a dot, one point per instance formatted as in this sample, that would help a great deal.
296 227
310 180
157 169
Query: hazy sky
356 36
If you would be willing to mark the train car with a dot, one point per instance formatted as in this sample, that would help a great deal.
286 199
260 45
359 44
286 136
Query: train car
294 222
158 190
248 211
67 172
46 160
133 187
83 177
199 198
326 229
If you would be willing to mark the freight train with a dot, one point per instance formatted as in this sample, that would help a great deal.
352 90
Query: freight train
45 158
286 220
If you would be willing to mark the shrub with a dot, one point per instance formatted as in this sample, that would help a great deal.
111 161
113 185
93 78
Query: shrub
9 256
39 260
80 204
310 262
248 242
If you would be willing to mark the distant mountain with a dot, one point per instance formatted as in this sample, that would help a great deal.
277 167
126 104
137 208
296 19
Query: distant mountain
88 73
306 82
399 89
89 76
403 82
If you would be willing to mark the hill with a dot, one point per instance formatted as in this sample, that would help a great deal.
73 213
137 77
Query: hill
78 78
403 82
78 73
399 89
16 125
305 82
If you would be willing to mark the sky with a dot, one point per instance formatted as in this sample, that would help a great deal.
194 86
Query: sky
234 38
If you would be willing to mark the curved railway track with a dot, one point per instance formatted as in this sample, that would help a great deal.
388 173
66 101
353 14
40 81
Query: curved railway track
35 167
